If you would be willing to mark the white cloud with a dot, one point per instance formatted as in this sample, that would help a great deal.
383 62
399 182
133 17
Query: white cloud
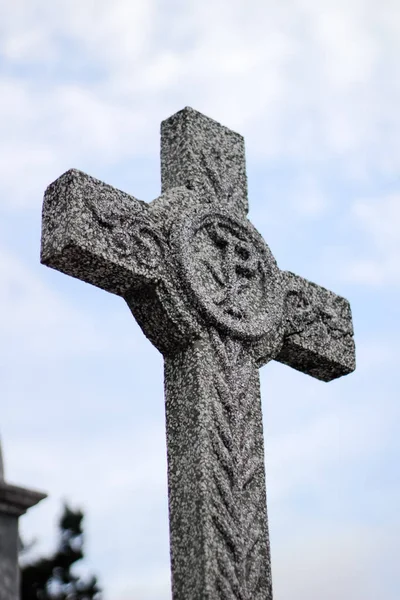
375 353
148 585
313 83
306 455
31 313
378 219
338 563
120 483
306 196
109 29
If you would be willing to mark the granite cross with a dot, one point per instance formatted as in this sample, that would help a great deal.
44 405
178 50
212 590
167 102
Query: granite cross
207 292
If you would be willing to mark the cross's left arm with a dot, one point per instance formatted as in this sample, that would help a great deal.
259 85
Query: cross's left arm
98 234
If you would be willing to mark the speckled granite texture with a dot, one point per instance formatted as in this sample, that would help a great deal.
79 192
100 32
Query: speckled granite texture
14 502
206 290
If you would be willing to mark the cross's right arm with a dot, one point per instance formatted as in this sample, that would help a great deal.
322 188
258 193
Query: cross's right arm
318 330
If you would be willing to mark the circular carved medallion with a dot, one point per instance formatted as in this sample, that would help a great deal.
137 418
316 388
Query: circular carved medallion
229 273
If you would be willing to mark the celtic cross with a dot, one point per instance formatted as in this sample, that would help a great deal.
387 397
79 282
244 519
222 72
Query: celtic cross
207 292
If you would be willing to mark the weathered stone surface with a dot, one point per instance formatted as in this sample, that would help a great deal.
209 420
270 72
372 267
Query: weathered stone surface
202 155
206 290
319 333
216 477
14 502
89 229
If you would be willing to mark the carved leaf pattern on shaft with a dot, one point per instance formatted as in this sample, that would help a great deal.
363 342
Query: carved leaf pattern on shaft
236 513
223 183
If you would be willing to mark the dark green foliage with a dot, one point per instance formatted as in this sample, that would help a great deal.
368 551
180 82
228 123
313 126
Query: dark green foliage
51 578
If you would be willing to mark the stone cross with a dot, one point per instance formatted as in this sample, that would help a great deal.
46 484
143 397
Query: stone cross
14 502
207 292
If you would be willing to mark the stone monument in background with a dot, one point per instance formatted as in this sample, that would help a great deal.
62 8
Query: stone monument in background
14 502
207 292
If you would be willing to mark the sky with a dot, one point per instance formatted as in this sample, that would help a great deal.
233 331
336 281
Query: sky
314 87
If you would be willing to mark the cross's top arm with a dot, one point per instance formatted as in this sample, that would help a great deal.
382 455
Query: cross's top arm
203 155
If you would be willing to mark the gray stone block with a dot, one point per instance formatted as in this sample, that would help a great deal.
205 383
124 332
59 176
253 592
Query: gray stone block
318 337
202 155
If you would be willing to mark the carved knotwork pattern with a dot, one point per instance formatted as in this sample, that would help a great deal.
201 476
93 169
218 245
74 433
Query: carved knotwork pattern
306 312
238 500
230 270
134 237
223 181
229 273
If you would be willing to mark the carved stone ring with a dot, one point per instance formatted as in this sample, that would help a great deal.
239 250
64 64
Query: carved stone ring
229 273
